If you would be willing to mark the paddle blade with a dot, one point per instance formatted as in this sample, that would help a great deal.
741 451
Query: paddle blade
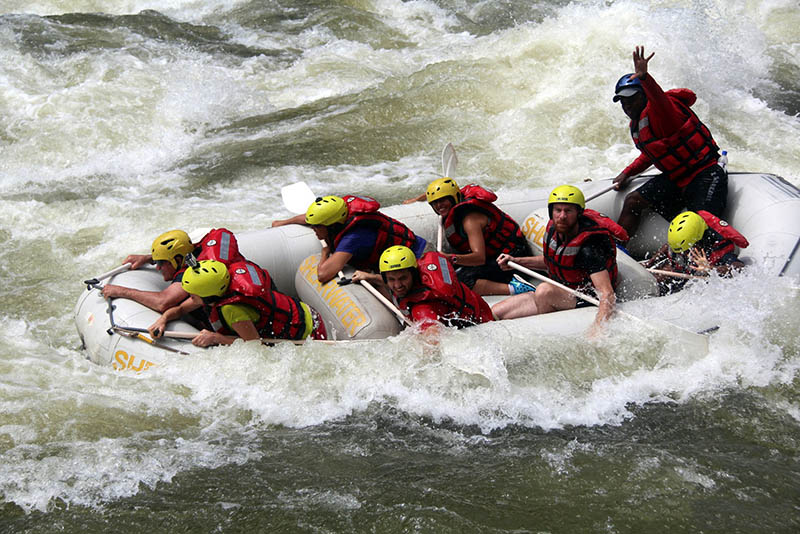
297 197
449 161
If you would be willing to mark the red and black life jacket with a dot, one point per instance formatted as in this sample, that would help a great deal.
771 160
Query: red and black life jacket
219 244
684 153
459 306
362 212
502 234
560 257
718 240
280 316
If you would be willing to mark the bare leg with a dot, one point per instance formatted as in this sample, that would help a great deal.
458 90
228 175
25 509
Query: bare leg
521 305
550 298
487 287
632 212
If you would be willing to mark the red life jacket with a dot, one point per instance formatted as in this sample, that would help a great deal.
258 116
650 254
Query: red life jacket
718 240
220 244
280 316
560 257
501 235
684 153
459 306
363 212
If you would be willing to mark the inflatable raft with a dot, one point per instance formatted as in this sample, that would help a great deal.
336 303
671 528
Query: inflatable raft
763 207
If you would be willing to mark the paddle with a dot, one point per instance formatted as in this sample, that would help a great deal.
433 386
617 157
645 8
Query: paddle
386 302
600 193
93 282
449 162
297 197
674 274
688 338
131 330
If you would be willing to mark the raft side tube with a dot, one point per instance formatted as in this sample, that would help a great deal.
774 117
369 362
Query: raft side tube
349 311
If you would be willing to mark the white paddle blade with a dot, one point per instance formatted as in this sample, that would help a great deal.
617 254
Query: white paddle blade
297 197
449 161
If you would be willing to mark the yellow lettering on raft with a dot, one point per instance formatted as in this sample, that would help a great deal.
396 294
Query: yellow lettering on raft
534 228
124 362
335 297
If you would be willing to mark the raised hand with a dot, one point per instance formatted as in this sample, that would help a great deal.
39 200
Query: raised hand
640 62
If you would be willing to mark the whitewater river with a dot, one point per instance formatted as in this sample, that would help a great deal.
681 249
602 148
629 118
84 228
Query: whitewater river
121 119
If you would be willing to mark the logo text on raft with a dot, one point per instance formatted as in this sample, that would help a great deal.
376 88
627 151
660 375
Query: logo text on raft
127 362
534 228
337 299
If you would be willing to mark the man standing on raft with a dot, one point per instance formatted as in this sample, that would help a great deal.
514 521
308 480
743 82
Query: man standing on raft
672 138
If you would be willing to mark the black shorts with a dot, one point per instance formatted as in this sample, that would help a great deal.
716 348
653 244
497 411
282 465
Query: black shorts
468 275
707 191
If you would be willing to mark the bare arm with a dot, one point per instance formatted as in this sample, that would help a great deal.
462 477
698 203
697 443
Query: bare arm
330 264
172 314
159 301
137 260
531 262
297 219
244 329
473 223
605 294
419 198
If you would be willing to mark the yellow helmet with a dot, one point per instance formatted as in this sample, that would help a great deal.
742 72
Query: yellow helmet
567 194
209 278
171 244
326 211
397 258
685 230
443 187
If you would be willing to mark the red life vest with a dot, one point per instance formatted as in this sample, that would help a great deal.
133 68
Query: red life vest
280 316
684 153
501 235
456 304
718 240
560 257
220 244
363 212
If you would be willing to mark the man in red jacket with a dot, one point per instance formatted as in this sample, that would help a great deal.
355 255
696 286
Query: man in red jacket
671 138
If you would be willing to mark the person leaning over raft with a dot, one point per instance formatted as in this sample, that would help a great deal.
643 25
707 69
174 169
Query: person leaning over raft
169 252
354 233
672 138
427 291
241 301
697 243
579 252
479 232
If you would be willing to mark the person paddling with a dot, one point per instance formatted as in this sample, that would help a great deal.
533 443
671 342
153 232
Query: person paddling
427 290
579 252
